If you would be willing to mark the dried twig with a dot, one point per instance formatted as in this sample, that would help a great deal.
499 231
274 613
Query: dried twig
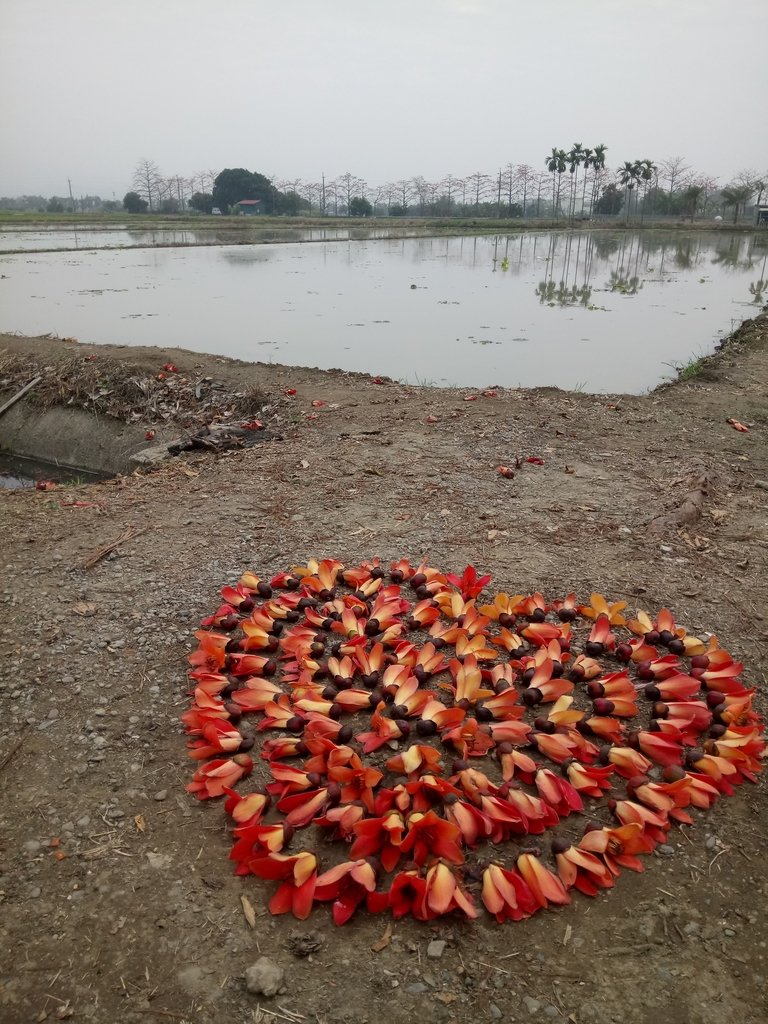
96 556
14 748
161 1013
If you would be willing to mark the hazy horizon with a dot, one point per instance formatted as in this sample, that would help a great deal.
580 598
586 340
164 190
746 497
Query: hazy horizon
389 92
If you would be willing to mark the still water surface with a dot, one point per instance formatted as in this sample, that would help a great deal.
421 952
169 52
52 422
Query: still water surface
601 312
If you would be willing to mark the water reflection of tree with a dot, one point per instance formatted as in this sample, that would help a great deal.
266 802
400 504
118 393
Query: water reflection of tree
623 284
561 295
757 288
569 271
736 255
625 275
684 257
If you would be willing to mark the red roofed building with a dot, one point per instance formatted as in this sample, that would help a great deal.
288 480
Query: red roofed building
248 207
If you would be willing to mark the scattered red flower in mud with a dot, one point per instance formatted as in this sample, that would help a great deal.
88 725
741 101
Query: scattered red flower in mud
737 425
412 726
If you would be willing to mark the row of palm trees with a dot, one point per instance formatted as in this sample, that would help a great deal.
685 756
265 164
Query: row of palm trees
636 177
635 174
559 161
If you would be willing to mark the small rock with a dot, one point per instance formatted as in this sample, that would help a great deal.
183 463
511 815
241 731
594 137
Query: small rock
667 549
495 1012
35 892
264 977
161 794
436 948
305 943
417 988
32 846
666 850
762 484
159 860
551 1011
532 1005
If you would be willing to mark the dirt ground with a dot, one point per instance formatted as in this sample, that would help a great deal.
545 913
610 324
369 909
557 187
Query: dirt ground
118 901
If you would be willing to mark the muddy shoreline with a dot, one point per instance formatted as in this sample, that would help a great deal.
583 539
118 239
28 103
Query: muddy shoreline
146 922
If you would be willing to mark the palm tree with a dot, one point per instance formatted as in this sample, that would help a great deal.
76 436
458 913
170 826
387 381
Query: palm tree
692 197
587 155
574 160
598 165
555 164
648 170
629 175
737 196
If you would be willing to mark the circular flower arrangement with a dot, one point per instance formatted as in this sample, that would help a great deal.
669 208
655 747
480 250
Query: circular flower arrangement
429 735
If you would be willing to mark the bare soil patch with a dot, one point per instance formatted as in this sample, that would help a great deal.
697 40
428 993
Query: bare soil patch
118 901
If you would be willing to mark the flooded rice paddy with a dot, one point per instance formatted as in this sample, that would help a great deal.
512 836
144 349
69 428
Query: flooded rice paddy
602 311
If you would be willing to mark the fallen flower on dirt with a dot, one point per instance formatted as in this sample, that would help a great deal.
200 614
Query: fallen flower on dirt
505 471
170 368
564 704
317 403
149 436
737 426
535 460
45 485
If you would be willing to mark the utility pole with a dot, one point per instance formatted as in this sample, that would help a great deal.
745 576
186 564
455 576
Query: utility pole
71 197
322 197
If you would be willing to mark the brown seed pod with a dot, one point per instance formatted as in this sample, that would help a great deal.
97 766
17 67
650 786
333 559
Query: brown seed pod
604 707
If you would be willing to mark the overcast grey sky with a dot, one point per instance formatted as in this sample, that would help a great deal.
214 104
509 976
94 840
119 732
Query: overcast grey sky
385 90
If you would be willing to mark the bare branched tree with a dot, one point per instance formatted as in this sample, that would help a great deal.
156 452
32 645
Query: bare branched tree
147 181
675 172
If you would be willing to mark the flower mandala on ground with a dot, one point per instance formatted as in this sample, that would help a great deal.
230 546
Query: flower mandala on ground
396 727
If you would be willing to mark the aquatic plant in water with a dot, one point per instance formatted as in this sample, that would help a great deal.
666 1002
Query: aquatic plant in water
429 739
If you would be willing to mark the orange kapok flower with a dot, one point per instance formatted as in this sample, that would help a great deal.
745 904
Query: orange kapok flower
298 874
429 835
214 778
348 885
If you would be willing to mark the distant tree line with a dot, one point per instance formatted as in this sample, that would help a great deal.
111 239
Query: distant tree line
574 184
58 204
571 184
